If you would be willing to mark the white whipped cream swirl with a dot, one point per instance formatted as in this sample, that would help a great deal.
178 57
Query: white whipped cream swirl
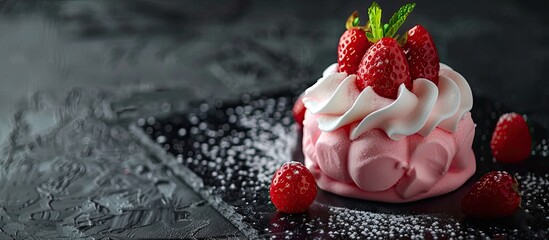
339 102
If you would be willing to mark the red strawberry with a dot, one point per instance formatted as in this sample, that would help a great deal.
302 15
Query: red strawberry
352 46
293 188
384 67
494 195
421 54
511 140
299 111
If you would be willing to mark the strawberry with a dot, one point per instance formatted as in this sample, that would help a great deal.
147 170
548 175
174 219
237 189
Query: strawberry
293 188
511 140
352 46
421 54
298 111
384 68
494 195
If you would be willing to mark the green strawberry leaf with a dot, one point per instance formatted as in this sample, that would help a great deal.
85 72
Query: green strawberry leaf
352 21
398 19
374 15
370 36
356 21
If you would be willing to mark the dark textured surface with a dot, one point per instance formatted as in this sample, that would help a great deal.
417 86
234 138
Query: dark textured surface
133 59
235 149
70 170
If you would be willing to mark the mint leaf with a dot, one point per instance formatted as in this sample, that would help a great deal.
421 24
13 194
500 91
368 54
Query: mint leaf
398 19
385 27
374 14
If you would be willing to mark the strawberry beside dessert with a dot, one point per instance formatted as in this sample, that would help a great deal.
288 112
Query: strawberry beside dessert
494 195
388 122
511 141
293 188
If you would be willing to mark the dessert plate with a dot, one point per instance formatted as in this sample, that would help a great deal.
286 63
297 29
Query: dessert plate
228 151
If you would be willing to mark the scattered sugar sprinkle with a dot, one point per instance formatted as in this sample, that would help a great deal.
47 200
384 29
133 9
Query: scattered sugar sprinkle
236 148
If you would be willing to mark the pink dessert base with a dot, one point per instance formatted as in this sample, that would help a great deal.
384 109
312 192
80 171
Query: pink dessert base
374 167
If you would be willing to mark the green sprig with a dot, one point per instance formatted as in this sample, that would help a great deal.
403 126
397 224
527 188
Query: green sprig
379 31
374 15
398 19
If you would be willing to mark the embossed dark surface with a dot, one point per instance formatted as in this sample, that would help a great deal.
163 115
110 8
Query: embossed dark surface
74 74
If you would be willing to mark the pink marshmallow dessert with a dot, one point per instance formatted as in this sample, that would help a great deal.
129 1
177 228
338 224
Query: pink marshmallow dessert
362 145
388 122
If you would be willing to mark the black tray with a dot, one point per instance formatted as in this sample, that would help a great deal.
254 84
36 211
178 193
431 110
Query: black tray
233 148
